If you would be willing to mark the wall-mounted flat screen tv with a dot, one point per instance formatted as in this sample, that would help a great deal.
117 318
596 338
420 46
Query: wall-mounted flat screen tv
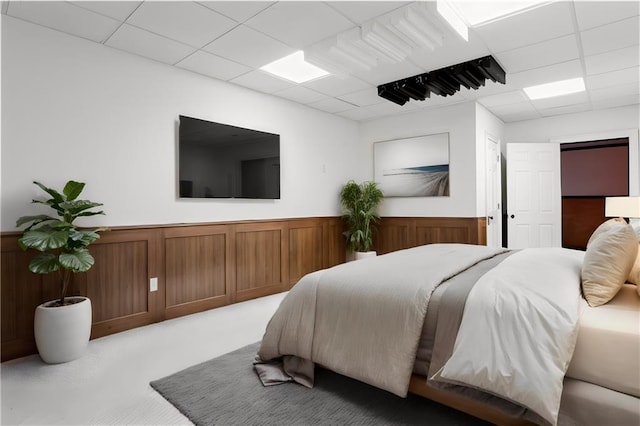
222 161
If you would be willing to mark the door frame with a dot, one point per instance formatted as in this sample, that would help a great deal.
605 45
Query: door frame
497 220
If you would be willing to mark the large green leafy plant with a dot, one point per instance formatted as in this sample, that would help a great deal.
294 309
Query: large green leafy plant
62 246
360 203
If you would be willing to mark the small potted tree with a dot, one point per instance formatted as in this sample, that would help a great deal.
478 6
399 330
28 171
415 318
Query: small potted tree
359 204
62 327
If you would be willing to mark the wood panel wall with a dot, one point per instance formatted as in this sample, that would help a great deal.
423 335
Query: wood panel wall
590 171
396 233
580 217
198 267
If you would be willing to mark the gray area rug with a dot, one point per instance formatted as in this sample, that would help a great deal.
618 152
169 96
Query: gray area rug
227 391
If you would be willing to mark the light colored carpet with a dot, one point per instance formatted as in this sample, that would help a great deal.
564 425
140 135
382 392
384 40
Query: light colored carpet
227 391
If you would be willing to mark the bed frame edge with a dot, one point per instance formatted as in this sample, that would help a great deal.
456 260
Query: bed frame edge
418 386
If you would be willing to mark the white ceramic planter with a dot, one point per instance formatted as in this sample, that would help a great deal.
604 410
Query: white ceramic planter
365 254
62 333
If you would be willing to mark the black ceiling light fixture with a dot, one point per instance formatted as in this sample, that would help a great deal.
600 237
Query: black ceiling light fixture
444 81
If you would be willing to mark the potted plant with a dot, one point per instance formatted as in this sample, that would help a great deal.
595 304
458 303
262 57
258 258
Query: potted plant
359 204
62 327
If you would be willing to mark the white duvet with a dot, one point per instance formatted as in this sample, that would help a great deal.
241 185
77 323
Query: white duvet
532 296
362 319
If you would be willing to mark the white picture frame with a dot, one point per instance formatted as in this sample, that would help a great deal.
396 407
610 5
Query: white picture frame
413 167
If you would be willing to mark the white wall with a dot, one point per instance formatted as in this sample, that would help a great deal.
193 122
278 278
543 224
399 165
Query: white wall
459 121
74 109
487 124
599 124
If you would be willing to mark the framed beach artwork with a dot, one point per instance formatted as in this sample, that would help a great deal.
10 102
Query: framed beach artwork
413 167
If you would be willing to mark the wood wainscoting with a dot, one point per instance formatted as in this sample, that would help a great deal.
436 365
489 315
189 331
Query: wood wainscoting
198 267
396 233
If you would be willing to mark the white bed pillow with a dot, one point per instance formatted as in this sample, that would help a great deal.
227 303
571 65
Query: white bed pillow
634 275
605 226
607 263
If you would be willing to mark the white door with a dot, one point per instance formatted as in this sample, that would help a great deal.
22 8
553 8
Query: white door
493 193
533 195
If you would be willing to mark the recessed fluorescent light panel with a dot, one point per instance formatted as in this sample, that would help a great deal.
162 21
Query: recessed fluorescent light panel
481 12
557 88
294 68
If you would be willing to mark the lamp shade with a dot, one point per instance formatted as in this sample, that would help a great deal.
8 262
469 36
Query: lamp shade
622 207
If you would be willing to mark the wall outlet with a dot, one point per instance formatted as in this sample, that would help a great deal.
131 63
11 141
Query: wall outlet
153 284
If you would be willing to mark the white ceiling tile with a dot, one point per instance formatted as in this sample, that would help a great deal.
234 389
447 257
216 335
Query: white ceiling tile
619 91
610 37
531 27
363 98
441 100
390 108
335 86
385 73
213 66
503 99
540 54
119 10
508 117
183 21
332 105
469 94
515 112
595 13
261 81
299 24
568 109
616 102
608 79
412 105
556 72
360 11
149 45
453 51
559 101
237 10
300 94
520 107
249 47
359 114
614 60
490 88
65 17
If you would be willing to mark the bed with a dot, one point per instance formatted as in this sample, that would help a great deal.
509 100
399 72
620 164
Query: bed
503 335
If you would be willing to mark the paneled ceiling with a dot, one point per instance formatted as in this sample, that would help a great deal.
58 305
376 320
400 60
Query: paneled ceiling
231 40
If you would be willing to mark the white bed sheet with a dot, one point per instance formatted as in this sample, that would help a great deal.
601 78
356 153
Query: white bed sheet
607 351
